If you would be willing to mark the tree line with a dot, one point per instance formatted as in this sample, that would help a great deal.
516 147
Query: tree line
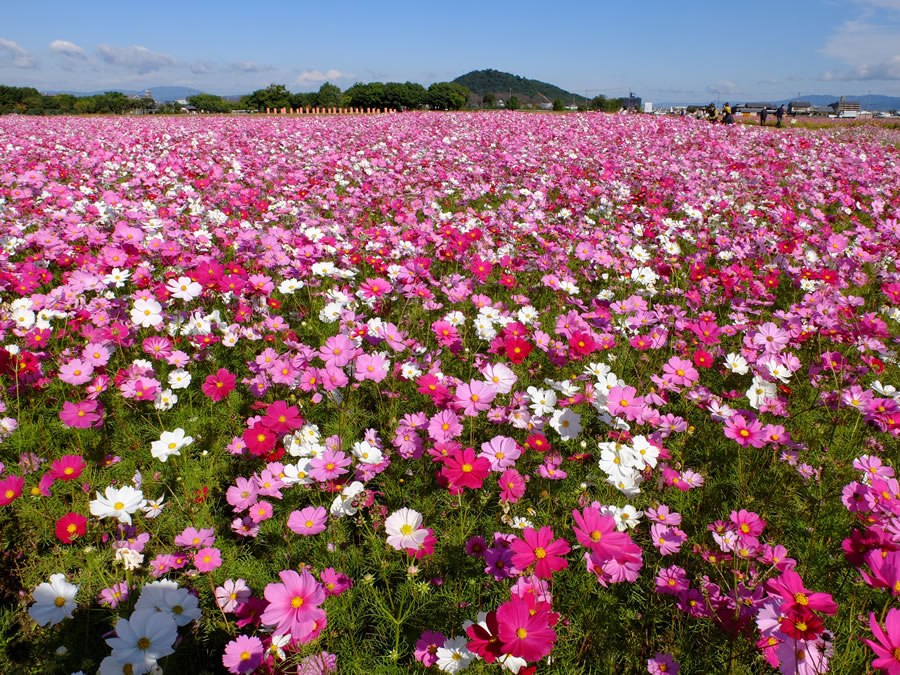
395 95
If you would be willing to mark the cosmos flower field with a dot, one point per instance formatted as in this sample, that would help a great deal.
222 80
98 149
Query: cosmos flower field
441 392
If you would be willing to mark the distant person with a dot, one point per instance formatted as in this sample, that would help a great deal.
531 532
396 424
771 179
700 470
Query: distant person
727 116
779 116
711 112
763 114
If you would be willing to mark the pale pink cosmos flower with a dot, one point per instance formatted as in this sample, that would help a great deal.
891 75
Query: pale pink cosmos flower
474 397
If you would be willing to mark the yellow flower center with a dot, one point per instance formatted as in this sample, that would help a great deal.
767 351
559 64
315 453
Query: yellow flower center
296 602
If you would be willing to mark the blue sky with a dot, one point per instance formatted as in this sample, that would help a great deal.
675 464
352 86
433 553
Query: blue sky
663 50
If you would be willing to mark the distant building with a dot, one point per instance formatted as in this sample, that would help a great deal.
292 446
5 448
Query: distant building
845 108
648 107
753 108
800 108
633 102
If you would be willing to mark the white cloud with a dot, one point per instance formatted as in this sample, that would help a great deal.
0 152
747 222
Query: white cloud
248 67
722 87
199 67
21 57
871 50
315 76
888 70
68 49
136 58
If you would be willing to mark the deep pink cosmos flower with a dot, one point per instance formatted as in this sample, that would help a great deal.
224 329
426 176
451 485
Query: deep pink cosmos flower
748 525
745 432
282 418
333 582
524 630
218 386
67 467
539 547
887 647
464 470
70 526
512 486
790 587
294 604
597 531
10 489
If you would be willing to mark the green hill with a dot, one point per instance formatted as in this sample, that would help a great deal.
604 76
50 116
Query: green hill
502 85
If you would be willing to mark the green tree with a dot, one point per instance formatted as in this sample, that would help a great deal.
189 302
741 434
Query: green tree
329 96
558 104
273 96
209 103
489 100
447 96
512 103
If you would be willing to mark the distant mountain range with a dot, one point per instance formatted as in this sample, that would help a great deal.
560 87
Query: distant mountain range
504 85
160 94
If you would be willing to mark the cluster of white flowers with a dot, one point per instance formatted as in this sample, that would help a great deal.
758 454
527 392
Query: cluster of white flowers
624 464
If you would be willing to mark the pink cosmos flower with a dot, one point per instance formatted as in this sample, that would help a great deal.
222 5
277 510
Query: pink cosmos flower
667 540
681 372
444 426
501 451
334 583
374 288
76 372
294 604
474 397
80 415
308 521
748 525
260 511
193 538
790 587
371 367
512 486
231 594
337 351
625 401
242 494
218 386
329 465
662 664
745 432
207 559
427 646
243 654
539 547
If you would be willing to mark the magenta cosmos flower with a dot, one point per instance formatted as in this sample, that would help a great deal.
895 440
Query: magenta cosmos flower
474 397
538 547
524 630
512 486
745 432
463 469
67 467
218 386
597 531
887 647
294 604
80 415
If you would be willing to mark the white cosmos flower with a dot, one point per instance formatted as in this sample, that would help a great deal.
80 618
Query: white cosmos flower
118 503
404 529
542 400
367 453
759 391
146 313
179 378
298 474
499 377
288 286
343 503
169 598
53 602
165 399
454 656
143 638
184 288
170 443
567 423
736 364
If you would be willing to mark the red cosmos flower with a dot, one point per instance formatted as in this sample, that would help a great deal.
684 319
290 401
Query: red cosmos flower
538 442
538 547
485 641
581 343
259 439
517 349
218 386
703 359
802 625
70 527
463 469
